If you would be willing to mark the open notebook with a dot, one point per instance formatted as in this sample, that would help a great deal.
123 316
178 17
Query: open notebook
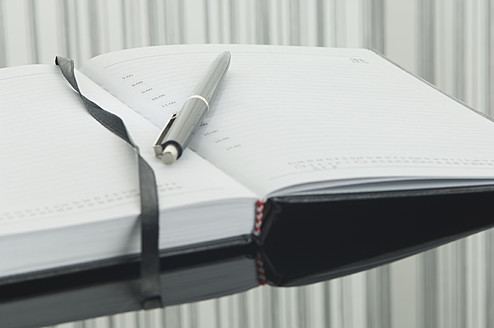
286 121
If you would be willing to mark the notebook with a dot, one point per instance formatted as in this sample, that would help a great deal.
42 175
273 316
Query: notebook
286 122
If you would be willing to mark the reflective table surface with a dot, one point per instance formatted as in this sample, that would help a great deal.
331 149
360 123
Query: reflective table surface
448 286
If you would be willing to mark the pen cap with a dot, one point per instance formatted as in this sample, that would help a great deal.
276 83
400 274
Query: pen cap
191 114
215 74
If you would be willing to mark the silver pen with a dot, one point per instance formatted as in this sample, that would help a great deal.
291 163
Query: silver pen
176 135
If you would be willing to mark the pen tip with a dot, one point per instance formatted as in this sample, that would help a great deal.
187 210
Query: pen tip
170 154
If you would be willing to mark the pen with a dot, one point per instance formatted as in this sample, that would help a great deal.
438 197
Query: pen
175 137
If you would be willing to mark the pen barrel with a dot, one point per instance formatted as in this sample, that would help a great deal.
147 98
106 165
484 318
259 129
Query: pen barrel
181 132
192 113
217 70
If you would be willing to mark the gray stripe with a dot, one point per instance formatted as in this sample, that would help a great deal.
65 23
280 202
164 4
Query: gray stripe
294 10
378 25
148 321
378 298
473 60
112 323
135 23
3 46
304 35
63 27
232 9
193 315
427 292
207 30
320 23
348 300
265 18
366 25
104 45
374 25
217 312
335 23
33 33
130 23
385 285
77 55
166 23
248 17
490 67
440 43
461 284
262 22
341 33
153 22
172 316
243 311
182 28
275 308
220 22
125 25
489 274
80 324
371 299
459 50
303 306
426 42
344 294
231 314
279 17
326 304
94 28
457 292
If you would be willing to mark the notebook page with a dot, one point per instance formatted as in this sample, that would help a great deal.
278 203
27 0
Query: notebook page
63 168
154 81
57 159
198 202
302 116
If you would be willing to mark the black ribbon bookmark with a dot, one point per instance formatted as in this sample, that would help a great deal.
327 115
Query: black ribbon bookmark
149 217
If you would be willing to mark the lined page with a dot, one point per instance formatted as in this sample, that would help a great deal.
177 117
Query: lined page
312 117
62 167
57 158
70 188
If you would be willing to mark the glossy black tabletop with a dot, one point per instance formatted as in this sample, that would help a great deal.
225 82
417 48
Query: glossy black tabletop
448 286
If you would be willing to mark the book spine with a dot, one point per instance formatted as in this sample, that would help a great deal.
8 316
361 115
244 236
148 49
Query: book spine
259 217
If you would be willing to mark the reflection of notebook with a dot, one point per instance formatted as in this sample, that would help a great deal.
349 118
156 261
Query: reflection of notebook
287 122
69 300
288 258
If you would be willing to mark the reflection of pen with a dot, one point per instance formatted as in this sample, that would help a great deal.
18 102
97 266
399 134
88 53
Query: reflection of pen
176 137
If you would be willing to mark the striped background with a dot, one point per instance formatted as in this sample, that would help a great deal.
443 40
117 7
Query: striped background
447 42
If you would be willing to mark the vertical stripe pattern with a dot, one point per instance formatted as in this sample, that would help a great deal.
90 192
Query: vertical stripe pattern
33 31
3 52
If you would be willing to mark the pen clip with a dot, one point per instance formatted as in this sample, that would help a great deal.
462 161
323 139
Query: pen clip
158 149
